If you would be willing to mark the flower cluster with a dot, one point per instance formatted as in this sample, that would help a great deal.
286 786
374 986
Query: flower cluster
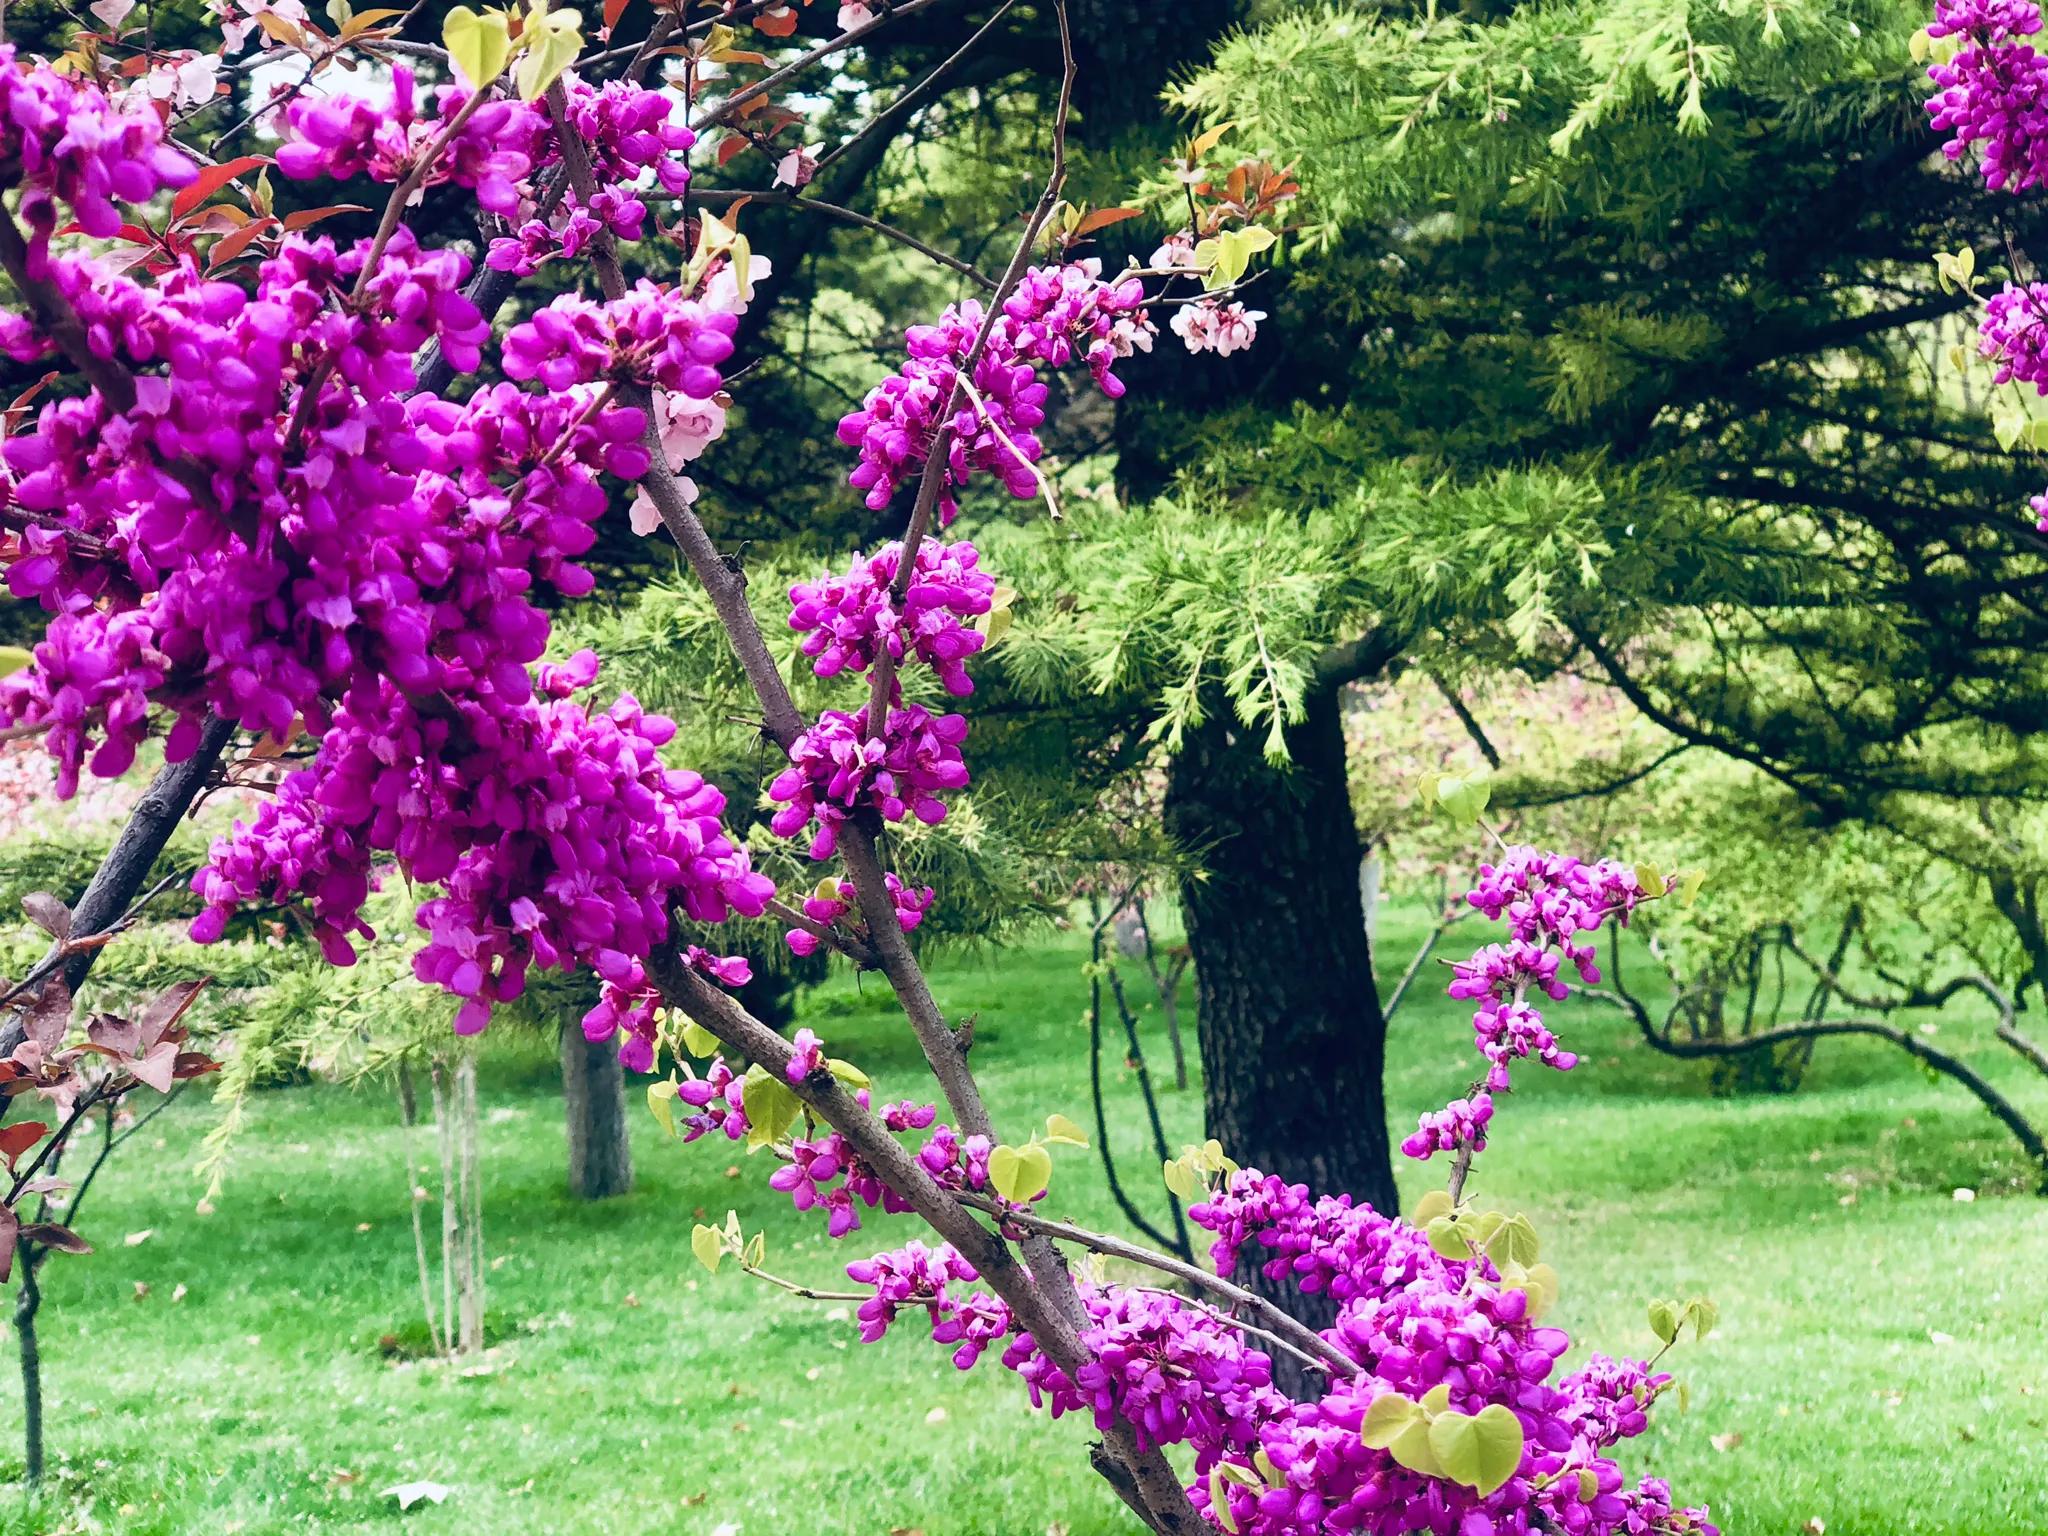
2013 334
76 148
1213 325
1551 904
257 514
652 336
1990 92
837 769
562 846
1057 315
339 138
916 1276
637 141
848 620
835 899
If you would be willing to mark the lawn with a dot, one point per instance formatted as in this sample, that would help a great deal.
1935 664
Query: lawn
1879 1369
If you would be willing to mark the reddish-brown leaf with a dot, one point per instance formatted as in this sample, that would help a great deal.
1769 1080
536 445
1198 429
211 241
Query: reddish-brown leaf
168 1006
306 218
613 10
193 1064
1102 218
779 23
10 1229
48 914
732 144
50 1235
17 1138
228 247
211 179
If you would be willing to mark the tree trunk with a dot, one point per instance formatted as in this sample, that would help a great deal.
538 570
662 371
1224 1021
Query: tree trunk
26 1306
1291 1033
594 1098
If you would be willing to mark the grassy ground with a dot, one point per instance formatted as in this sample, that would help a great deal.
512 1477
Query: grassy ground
1880 1365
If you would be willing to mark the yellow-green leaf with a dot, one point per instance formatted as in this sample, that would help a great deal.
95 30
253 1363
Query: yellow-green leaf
552 40
771 1108
1020 1173
1464 796
1180 1178
1411 1448
1448 1241
1061 1131
1219 1500
13 658
846 1072
1480 1450
1689 884
698 1040
757 1250
661 1103
1387 1419
1436 1203
478 45
1518 1243
707 1245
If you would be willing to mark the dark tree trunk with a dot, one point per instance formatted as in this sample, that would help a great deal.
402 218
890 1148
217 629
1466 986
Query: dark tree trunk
26 1305
1290 1026
594 1094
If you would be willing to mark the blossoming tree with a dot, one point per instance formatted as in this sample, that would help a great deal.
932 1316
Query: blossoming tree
264 503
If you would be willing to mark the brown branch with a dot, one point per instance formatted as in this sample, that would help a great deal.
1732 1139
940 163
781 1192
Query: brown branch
1298 1334
789 199
727 108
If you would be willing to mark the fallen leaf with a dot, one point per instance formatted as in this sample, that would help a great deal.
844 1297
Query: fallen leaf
362 1226
936 1416
1936 1336
1727 1442
137 1239
1965 1196
178 1292
1814 1527
141 1289
409 1494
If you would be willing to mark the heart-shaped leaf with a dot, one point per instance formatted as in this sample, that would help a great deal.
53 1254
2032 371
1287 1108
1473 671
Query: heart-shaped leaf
553 39
771 1108
1020 1173
479 45
1464 796
661 1103
1387 1419
1061 1131
707 1245
1481 1450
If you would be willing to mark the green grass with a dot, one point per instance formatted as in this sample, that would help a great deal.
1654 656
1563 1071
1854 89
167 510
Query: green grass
1880 1363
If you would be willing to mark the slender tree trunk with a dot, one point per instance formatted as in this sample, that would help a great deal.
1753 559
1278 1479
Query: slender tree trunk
594 1101
469 1276
409 1116
1289 1023
26 1305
